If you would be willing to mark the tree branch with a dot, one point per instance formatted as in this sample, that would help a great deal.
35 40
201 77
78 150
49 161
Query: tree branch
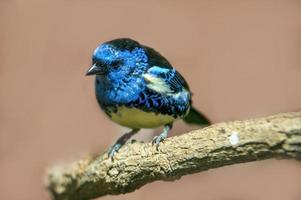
136 164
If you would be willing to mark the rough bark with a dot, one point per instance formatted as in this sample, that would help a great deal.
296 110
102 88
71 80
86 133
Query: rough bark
136 164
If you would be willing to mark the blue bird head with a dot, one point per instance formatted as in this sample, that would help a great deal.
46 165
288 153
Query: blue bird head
118 58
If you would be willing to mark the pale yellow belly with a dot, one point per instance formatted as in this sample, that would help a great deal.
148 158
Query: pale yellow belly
135 118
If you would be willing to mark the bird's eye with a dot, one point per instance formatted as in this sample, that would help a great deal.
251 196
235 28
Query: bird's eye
116 63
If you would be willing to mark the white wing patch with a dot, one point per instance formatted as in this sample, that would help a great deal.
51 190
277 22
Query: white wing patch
157 84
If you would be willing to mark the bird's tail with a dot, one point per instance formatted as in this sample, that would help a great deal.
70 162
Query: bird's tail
195 117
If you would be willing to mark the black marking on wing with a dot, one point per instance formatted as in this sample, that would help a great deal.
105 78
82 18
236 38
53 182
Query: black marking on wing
150 101
156 59
175 80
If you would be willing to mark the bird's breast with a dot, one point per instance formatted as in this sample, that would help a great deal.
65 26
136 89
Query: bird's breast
115 92
137 118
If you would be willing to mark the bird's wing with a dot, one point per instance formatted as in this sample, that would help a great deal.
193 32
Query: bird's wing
165 80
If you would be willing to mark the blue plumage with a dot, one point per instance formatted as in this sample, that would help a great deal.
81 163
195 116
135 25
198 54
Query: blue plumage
138 88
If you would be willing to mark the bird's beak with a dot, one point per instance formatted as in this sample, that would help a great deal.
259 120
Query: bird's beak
95 70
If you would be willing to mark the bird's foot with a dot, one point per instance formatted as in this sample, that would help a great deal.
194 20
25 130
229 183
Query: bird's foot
120 142
158 139
114 149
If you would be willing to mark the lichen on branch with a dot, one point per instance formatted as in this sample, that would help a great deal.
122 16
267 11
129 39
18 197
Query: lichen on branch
136 164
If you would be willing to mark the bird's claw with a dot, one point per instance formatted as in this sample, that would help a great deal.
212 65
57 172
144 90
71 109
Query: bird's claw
113 150
120 142
157 140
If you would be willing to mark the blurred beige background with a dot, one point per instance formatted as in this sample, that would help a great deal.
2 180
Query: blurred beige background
241 58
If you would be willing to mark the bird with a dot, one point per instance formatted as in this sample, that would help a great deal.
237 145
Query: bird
138 88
